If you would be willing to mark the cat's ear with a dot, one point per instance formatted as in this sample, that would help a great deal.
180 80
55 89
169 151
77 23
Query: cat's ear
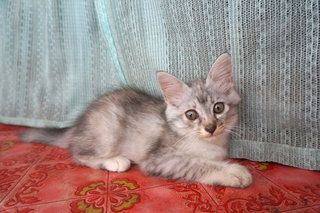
220 78
173 90
221 71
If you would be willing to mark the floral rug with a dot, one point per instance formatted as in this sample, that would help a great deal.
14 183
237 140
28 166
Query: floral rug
39 178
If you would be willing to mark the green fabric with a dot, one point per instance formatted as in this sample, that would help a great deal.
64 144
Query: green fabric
57 56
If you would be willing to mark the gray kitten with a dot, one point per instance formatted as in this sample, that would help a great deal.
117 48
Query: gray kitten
184 137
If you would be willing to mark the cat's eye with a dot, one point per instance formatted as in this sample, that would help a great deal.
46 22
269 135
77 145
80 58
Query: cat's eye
218 108
191 114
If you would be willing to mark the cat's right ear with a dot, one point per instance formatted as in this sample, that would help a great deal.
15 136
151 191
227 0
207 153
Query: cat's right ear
173 90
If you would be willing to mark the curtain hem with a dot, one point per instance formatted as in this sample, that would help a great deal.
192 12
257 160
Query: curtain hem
304 158
34 122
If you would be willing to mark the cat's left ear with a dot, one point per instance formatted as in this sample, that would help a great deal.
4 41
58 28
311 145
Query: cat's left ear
173 90
220 78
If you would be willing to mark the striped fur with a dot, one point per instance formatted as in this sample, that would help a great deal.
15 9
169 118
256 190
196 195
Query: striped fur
129 126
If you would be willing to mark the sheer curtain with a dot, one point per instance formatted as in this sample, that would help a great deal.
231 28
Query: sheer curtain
57 56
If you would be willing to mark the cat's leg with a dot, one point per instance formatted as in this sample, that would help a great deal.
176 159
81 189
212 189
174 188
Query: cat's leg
234 175
197 170
117 164
114 164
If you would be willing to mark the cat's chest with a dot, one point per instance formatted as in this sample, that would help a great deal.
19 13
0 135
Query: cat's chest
203 150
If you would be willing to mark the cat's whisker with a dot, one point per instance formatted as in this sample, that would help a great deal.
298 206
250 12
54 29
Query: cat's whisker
237 131
189 134
192 136
233 132
181 139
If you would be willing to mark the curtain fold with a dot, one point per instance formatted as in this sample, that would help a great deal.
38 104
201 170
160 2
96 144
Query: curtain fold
57 56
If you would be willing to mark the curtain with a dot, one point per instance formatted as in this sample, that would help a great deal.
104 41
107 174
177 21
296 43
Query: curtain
56 56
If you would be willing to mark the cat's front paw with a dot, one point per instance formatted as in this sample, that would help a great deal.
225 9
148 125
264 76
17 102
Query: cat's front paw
117 164
237 176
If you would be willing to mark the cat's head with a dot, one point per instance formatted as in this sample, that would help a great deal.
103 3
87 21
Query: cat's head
203 108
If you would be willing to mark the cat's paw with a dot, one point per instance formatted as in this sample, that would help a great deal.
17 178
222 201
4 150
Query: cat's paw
117 164
237 176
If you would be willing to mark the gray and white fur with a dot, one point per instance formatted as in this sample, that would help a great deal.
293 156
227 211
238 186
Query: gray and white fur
184 137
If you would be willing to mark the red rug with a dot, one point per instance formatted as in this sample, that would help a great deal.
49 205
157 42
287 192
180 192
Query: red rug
39 178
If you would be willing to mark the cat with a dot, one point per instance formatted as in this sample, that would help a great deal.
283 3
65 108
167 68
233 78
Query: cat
182 137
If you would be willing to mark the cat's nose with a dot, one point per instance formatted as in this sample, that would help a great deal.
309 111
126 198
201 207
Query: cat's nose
210 128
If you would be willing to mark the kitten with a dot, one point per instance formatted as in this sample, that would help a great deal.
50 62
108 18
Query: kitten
184 137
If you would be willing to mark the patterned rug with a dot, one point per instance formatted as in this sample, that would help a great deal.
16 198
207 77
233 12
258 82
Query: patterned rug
39 178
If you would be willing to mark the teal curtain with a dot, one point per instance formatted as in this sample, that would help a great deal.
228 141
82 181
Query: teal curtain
56 56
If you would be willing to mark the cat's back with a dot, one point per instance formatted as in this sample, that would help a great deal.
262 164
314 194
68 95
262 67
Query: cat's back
125 105
130 100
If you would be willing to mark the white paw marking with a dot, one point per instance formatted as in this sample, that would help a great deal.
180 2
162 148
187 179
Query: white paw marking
117 164
238 176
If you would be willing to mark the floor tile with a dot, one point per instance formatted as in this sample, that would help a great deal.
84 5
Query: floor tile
303 184
144 181
261 196
54 182
174 199
9 178
62 207
10 133
6 127
302 210
17 154
170 199
55 154
40 178
8 136
316 208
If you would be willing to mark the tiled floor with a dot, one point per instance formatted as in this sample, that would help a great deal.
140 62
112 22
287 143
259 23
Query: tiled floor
39 178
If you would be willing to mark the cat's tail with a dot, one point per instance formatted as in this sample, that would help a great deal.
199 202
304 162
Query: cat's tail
49 136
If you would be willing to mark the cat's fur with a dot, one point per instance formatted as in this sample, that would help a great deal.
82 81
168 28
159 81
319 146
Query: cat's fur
128 126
